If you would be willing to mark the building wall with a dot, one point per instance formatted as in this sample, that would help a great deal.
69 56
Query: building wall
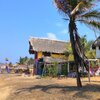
57 56
97 52
40 55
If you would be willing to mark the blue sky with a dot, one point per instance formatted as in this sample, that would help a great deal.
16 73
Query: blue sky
20 19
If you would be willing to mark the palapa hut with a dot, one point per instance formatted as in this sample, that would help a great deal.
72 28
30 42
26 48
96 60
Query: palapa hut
46 47
49 50
96 45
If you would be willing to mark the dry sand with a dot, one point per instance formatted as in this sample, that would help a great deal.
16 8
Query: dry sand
16 87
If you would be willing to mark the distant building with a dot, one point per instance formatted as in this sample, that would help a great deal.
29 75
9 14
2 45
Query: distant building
96 45
2 66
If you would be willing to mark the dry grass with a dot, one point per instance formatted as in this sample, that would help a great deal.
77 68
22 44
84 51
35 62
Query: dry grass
15 87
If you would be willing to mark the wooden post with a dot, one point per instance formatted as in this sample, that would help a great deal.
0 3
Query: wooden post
89 72
68 67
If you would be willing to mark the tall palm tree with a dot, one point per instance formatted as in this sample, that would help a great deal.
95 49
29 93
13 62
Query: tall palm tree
82 11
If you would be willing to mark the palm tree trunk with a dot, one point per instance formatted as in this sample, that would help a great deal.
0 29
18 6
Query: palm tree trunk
75 48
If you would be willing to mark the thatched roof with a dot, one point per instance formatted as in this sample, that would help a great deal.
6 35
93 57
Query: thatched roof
53 60
96 43
21 67
46 45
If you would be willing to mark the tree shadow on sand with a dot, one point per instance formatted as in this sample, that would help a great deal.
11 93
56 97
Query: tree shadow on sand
79 92
91 81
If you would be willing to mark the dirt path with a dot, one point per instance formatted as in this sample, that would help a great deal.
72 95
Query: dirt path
4 89
4 93
15 87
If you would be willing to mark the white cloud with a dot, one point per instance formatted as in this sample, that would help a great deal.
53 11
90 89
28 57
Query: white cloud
64 31
48 35
51 36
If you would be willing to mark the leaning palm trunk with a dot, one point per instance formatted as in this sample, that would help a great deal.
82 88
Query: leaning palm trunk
73 33
78 52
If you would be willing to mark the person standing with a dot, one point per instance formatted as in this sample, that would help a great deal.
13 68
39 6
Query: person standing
7 69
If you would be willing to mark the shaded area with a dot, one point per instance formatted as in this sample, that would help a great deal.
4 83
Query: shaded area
91 81
58 89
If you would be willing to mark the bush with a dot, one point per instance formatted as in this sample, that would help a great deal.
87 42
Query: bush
51 70
64 69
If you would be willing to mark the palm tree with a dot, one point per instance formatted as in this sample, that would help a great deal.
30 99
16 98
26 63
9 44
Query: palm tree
79 11
87 47
6 59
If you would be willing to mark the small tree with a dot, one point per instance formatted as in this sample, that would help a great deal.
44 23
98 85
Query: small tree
6 59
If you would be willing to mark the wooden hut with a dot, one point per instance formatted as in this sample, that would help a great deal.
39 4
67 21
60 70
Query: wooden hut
44 48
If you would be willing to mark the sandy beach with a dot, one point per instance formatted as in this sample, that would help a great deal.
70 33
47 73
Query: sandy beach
17 87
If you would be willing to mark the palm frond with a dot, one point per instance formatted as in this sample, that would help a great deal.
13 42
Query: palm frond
59 6
73 3
71 7
66 6
63 5
94 14
81 7
94 25
77 8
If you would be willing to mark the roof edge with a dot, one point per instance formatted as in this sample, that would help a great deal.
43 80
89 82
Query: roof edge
47 39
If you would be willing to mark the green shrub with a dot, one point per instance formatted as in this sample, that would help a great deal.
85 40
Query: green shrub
51 70
64 69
